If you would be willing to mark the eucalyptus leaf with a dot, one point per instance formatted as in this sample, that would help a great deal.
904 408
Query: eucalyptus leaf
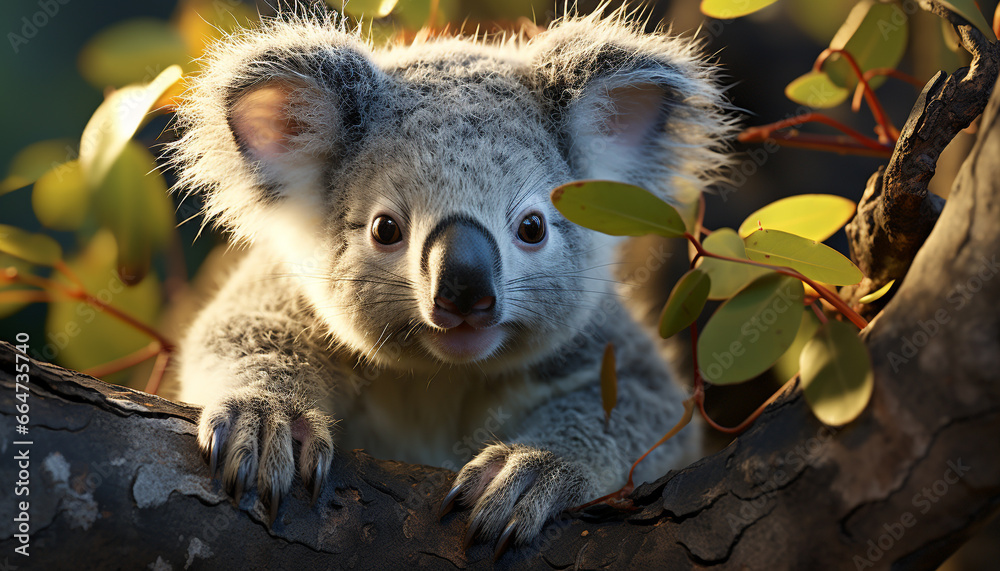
812 259
816 89
617 208
60 198
132 51
727 278
685 303
875 34
728 9
812 216
133 203
837 379
35 160
37 249
116 121
750 331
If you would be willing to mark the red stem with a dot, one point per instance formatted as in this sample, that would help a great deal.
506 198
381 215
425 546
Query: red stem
140 356
753 416
888 132
159 368
82 295
755 134
859 91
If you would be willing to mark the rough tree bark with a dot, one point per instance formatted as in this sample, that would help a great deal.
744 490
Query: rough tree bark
115 479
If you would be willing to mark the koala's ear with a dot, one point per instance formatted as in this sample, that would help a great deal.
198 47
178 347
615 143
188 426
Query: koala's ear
638 108
264 121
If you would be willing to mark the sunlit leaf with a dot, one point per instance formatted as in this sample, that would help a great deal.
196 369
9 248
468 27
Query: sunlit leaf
116 121
812 216
609 381
750 331
685 303
837 375
60 198
201 22
970 11
727 277
617 208
133 203
875 33
133 51
365 8
79 336
35 160
815 89
788 364
37 249
728 9
810 258
820 20
877 294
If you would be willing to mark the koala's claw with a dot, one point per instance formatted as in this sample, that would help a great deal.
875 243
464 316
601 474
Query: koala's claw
470 534
275 502
214 449
449 501
249 436
514 490
505 539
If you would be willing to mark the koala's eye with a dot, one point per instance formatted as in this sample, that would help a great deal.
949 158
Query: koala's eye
531 229
386 231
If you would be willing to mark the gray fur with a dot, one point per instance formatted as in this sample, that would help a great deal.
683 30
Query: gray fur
320 329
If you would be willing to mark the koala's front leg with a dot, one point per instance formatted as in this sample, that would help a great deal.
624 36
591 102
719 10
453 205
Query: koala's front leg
273 389
565 457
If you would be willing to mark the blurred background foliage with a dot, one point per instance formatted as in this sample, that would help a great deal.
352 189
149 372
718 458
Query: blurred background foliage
62 58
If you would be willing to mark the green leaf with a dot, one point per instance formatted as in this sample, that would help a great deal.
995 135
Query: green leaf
365 8
35 160
60 198
875 33
727 277
968 10
787 366
837 375
685 303
815 89
132 51
79 336
37 249
134 205
877 294
617 208
750 331
812 216
609 381
116 121
728 9
812 259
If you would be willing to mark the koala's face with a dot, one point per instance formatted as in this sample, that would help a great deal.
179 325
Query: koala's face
448 249
409 189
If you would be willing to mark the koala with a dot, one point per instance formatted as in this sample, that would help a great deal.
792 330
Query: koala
408 281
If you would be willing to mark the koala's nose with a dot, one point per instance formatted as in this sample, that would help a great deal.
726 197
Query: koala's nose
461 260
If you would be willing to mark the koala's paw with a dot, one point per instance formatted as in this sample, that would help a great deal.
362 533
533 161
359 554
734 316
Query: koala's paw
514 490
249 433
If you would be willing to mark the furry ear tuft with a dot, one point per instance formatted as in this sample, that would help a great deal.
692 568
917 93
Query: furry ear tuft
639 108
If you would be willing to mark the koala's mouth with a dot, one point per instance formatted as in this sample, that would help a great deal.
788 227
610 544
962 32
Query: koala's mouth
464 343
